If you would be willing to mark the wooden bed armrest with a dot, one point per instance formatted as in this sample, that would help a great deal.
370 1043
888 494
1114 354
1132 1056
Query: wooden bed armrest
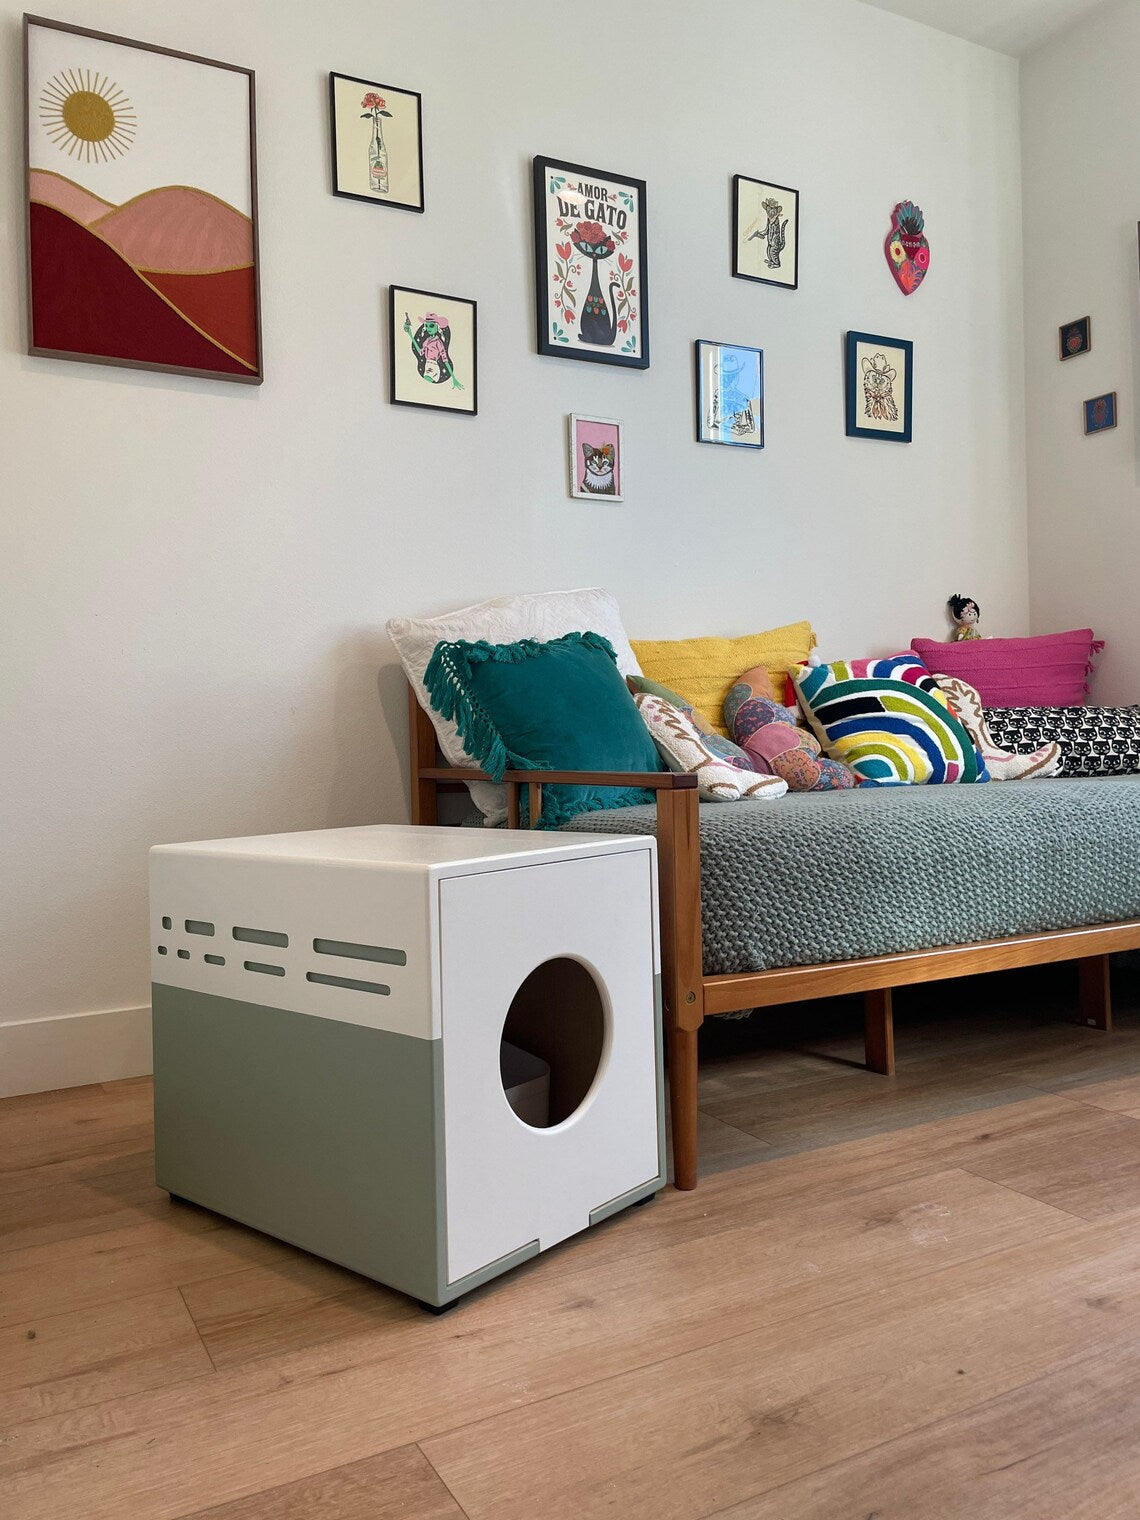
651 781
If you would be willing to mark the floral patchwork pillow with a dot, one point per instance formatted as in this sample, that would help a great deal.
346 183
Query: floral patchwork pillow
775 744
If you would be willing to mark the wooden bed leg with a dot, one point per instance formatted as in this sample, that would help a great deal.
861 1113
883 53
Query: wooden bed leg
1095 992
683 1106
425 801
879 1031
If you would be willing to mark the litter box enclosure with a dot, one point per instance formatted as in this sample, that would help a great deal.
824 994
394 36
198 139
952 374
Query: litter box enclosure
427 1054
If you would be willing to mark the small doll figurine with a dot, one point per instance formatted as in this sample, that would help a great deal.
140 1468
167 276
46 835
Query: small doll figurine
966 614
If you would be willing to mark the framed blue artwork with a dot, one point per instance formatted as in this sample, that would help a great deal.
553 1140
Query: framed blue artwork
730 394
1100 413
880 387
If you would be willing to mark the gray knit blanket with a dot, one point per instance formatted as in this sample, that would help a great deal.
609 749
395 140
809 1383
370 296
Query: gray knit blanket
828 876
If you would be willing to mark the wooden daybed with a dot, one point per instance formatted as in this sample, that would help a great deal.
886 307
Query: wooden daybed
690 996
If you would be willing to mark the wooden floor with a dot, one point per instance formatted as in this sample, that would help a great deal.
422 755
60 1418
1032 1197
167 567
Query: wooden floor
907 1299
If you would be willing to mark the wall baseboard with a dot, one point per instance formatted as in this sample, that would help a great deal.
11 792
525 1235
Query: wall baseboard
74 1049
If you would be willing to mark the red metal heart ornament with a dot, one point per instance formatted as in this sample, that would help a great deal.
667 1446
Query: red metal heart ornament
908 252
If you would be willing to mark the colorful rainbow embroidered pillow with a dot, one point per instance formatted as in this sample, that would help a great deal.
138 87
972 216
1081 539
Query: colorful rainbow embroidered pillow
887 720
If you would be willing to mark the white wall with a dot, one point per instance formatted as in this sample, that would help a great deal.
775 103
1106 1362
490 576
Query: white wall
1081 168
194 576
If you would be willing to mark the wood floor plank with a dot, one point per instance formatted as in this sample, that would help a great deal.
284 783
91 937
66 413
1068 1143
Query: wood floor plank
706 1430
1063 1447
67 1361
1119 1095
65 1209
66 1128
398 1485
183 1245
1096 1174
527 1340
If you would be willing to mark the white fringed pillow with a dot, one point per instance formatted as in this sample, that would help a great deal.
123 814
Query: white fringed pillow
680 745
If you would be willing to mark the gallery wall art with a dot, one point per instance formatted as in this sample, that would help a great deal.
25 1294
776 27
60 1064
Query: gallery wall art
1075 338
879 387
1100 413
597 464
377 142
590 264
141 205
765 232
730 394
432 350
907 248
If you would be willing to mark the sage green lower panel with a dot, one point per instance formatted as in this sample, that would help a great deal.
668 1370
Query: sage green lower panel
322 1133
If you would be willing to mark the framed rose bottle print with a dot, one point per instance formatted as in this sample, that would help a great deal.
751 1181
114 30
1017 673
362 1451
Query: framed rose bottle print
377 142
590 264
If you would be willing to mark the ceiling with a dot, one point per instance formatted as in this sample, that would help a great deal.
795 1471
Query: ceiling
1009 26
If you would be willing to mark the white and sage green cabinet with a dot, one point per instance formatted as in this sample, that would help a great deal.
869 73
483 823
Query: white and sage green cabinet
328 1014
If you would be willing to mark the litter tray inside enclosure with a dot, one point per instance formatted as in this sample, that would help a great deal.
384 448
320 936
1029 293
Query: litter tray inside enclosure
557 1017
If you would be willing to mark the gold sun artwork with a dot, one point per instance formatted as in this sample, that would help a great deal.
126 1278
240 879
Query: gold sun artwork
87 116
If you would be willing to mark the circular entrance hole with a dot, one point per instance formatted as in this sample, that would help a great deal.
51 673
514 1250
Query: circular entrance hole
553 1041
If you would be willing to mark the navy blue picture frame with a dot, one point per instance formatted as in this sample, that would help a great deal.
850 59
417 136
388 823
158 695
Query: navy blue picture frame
1100 413
854 387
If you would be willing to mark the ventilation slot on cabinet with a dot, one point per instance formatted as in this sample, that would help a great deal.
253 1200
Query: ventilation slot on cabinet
162 949
349 982
167 924
183 955
214 960
263 968
360 952
198 926
262 937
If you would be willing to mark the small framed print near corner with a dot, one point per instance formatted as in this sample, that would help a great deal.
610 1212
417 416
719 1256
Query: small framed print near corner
730 394
1100 413
432 350
377 142
597 459
765 232
879 387
1075 338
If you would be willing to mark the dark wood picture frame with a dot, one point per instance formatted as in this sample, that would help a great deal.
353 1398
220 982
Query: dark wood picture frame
736 443
759 279
256 375
853 388
392 89
393 330
542 241
1081 329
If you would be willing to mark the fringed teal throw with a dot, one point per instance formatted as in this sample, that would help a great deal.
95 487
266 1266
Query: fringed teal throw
558 706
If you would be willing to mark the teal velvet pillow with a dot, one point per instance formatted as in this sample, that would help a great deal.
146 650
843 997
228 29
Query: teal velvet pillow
558 706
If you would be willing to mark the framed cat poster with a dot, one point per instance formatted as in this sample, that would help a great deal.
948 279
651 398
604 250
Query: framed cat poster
590 264
597 465
765 232
880 387
730 394
432 350
141 205
377 142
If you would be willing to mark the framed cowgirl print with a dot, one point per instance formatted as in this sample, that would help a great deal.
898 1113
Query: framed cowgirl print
590 264
432 350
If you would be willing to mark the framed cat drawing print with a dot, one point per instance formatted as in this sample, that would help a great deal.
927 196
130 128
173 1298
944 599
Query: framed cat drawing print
590 264
432 351
141 205
765 232
377 142
597 464
730 394
880 387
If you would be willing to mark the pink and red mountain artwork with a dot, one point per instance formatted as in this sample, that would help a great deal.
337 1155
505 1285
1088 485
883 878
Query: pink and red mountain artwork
167 278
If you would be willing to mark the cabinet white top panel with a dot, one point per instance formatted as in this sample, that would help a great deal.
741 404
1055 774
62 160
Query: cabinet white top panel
442 851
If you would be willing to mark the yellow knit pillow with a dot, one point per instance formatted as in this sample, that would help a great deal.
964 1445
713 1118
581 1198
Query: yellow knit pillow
703 670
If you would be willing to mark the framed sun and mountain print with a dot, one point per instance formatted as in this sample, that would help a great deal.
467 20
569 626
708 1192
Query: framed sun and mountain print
141 205
590 264
377 142
432 355
880 387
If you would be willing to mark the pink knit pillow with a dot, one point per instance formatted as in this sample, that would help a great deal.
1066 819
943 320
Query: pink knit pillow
1051 670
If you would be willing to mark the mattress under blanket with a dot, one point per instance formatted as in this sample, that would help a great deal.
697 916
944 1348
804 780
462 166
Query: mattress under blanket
830 876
